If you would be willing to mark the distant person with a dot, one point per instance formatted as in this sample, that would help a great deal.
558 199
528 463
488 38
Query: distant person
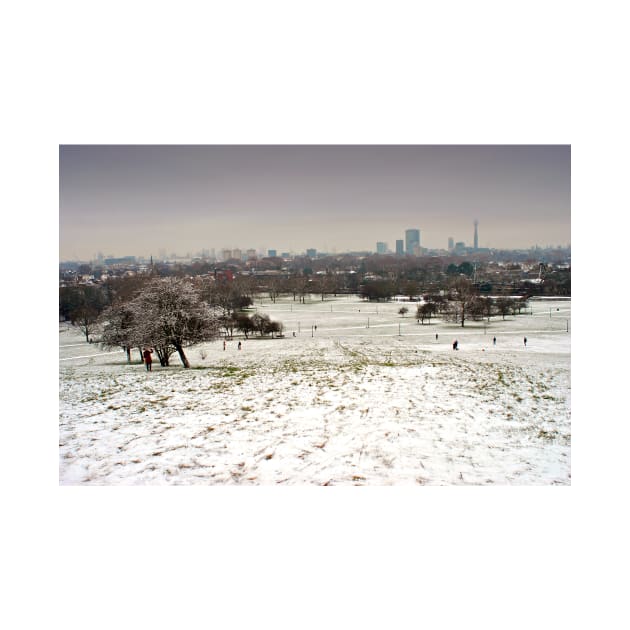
455 344
525 341
494 341
239 345
146 355
294 333
224 344
436 336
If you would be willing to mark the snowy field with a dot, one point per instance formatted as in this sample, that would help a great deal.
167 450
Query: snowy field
368 398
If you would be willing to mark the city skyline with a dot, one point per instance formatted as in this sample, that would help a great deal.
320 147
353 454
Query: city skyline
139 200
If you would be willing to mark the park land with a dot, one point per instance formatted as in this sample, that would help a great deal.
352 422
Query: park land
369 397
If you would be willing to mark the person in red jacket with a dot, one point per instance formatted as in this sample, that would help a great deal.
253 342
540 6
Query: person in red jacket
146 355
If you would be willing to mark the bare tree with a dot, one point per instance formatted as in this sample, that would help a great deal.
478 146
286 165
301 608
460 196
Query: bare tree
274 286
260 322
244 324
425 311
83 305
488 306
464 299
504 305
86 319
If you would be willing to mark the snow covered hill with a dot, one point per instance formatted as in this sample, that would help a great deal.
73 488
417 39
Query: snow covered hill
368 397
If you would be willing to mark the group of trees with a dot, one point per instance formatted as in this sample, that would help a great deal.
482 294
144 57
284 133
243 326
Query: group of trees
463 302
167 314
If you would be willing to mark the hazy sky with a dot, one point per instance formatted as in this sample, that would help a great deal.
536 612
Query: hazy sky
138 200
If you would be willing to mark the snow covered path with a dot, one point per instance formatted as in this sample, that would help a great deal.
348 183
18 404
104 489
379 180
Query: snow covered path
332 408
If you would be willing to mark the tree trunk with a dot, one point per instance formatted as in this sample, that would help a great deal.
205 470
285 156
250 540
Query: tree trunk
182 356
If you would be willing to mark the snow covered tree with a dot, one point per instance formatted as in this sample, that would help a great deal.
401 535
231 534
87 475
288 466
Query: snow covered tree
169 312
118 328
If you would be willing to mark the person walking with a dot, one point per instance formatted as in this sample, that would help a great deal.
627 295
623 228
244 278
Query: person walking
494 341
455 344
239 345
436 336
525 341
146 355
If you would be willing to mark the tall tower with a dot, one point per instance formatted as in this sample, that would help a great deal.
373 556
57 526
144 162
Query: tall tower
412 241
476 235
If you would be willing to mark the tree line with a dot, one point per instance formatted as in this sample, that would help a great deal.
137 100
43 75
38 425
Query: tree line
171 313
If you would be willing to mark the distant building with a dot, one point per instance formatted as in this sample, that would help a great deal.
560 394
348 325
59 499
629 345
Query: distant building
124 260
476 237
272 253
412 241
381 248
460 246
311 253
400 247
451 243
237 253
251 253
226 254
286 255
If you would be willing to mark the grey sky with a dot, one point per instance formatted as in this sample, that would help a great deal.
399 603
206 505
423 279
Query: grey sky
136 200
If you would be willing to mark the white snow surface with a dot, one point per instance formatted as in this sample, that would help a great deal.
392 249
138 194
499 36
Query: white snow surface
346 404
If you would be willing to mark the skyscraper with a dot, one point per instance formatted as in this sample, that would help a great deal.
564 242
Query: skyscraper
451 243
400 247
476 240
381 248
412 241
